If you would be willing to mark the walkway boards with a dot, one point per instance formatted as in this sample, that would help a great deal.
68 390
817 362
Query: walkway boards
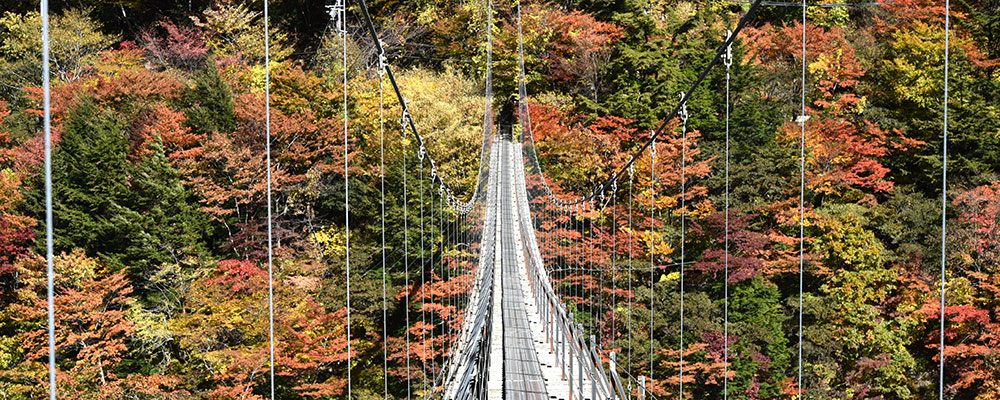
522 374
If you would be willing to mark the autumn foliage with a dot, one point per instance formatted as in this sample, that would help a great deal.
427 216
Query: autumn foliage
162 196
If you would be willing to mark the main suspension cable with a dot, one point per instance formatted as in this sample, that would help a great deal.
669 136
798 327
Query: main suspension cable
407 119
602 187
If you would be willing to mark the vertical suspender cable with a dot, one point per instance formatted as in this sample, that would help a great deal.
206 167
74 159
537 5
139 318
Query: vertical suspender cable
406 251
725 335
578 221
684 119
575 249
423 281
593 267
944 193
441 277
270 248
802 193
629 275
381 170
564 259
601 266
446 301
652 247
614 258
560 229
347 202
429 272
49 268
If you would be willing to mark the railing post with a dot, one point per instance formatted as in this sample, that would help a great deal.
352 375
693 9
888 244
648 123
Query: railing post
545 322
551 334
642 387
562 345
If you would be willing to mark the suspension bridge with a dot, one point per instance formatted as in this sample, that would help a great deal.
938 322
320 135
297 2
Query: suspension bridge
519 333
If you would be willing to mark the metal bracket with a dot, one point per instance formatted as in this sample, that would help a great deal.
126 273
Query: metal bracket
338 13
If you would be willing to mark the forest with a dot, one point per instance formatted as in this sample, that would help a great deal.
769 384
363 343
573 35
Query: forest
161 206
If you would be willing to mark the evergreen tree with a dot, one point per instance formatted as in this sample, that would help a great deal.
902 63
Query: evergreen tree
209 102
130 215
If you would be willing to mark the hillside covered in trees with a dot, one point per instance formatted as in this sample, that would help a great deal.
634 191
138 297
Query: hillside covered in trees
160 200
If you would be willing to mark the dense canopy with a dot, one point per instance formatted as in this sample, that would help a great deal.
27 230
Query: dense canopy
161 209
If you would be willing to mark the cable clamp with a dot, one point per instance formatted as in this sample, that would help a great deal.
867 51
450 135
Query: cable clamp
728 59
382 61
421 152
404 120
631 171
684 110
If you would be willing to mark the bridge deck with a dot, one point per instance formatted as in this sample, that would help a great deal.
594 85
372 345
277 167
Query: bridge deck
522 371
522 362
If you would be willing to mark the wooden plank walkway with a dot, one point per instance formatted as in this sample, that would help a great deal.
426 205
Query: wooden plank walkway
522 372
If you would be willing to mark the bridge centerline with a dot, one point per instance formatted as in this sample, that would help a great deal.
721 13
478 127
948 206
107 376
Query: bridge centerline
520 355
